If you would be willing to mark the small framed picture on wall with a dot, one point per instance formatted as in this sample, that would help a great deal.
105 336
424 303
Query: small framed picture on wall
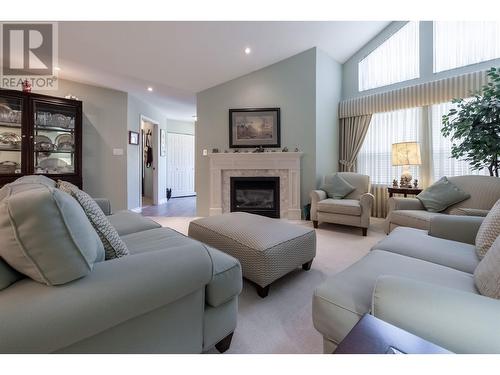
133 138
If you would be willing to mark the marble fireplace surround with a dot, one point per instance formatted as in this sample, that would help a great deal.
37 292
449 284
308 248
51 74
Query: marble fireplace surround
285 165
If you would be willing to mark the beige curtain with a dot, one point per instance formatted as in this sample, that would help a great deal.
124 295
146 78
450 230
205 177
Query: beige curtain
379 207
352 134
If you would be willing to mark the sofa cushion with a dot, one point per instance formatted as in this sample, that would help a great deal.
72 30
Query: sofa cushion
340 206
417 243
488 231
344 298
8 275
226 280
36 179
114 247
336 187
127 222
462 211
487 273
412 218
46 235
441 194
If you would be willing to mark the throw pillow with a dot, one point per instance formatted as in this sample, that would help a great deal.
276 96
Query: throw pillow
487 272
336 187
114 247
441 195
46 235
488 231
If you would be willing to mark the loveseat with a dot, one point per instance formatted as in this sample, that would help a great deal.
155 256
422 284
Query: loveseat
421 281
171 294
409 212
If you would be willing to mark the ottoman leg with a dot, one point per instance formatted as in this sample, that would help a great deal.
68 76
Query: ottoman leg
307 266
225 343
262 291
364 230
315 223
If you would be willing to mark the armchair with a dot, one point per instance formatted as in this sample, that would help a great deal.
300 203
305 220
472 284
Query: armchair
409 212
354 209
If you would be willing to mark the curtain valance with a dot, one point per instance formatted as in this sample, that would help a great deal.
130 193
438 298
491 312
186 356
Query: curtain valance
423 94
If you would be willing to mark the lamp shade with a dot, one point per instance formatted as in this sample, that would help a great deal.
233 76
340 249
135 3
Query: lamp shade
406 153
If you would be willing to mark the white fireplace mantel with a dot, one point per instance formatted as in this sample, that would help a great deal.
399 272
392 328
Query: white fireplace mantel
285 162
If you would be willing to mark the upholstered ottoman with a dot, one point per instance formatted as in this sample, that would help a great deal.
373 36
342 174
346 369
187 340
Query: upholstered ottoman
266 248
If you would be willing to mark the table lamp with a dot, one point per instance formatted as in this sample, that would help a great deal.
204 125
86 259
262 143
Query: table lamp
406 154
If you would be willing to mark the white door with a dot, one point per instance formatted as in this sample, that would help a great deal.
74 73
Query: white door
180 164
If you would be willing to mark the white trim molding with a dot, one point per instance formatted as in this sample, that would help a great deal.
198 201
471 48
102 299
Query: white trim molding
285 165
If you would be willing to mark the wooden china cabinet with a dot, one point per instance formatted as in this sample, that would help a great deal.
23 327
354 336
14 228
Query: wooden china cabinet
40 134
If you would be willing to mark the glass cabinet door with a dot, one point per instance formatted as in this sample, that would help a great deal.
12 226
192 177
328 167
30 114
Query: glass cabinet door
54 139
10 135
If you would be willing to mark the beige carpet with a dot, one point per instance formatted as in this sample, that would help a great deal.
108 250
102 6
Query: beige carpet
282 322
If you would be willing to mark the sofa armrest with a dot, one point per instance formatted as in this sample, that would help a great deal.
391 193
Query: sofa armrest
455 228
35 318
366 202
398 203
105 205
459 321
316 196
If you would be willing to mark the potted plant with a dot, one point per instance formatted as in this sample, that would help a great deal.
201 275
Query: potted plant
474 126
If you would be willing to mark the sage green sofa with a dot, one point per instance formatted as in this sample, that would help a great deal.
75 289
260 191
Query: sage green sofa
418 280
409 212
172 294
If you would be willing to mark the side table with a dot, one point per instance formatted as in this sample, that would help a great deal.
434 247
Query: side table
374 336
405 191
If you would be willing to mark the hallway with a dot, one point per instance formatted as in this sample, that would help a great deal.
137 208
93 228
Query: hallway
181 207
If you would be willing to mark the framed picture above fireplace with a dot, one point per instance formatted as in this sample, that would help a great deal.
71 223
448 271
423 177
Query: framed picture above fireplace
254 127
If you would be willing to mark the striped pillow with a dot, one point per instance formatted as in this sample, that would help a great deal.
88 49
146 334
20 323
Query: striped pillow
114 247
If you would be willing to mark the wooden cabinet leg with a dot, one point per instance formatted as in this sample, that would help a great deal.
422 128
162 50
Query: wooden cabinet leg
365 231
315 223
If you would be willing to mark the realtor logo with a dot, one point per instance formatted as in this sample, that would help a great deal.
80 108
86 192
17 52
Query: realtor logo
28 52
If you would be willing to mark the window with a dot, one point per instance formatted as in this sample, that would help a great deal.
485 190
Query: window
395 60
442 162
463 43
374 158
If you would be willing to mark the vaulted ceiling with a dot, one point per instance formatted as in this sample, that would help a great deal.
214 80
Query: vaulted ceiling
179 59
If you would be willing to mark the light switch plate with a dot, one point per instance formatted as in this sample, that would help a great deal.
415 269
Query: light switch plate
205 152
117 151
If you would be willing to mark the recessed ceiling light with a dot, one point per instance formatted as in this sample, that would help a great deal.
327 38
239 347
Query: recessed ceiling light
150 89
248 50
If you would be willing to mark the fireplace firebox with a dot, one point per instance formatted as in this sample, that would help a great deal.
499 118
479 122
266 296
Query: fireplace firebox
256 195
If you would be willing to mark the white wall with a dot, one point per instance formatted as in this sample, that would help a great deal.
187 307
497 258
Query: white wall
181 127
104 128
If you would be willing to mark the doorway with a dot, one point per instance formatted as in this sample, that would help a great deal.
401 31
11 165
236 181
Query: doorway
180 164
149 162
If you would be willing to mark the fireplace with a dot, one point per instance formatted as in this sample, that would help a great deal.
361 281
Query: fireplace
256 195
